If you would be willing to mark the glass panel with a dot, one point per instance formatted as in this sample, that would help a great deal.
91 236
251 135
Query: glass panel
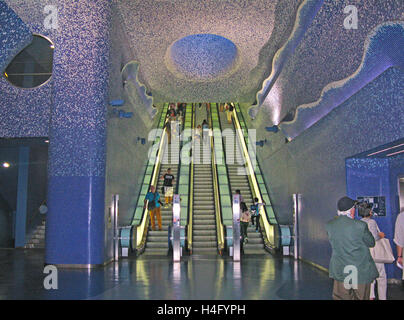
32 67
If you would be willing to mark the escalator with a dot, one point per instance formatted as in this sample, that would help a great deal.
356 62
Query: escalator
204 240
157 241
205 185
238 180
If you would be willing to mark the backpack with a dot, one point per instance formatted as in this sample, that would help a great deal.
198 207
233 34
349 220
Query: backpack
152 204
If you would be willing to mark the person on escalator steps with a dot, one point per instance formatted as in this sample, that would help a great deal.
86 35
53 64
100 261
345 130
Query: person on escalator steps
239 193
153 205
198 133
167 126
230 112
205 130
244 221
255 213
168 187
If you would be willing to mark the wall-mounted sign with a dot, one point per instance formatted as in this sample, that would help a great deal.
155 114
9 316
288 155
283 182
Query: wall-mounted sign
379 204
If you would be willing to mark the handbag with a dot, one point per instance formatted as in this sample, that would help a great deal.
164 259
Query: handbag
381 252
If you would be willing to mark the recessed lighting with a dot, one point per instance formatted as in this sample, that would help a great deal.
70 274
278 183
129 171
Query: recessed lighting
6 165
393 154
372 154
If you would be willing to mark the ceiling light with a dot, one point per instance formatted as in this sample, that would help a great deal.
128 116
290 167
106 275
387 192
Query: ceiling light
392 154
385 149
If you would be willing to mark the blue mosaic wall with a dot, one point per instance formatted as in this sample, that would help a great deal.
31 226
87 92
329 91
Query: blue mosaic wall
126 156
383 49
77 154
327 54
14 35
306 13
313 164
26 112
378 177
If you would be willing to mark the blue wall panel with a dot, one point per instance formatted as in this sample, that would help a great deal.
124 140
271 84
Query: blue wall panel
373 177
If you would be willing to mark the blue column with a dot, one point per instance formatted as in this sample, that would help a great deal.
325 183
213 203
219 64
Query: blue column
77 155
22 194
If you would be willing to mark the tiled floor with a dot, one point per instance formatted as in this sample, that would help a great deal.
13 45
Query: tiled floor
152 278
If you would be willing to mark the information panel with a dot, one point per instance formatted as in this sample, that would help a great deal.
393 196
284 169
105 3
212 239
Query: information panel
379 204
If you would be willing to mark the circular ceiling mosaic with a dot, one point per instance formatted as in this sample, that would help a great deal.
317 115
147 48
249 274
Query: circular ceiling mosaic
202 57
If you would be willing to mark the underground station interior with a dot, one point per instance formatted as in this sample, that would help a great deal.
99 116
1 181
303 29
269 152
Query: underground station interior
196 150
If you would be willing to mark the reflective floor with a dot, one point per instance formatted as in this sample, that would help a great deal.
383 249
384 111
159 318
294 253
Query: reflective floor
152 278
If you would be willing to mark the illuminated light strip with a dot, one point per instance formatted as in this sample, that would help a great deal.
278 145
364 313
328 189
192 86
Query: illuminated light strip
392 154
385 150
269 229
219 224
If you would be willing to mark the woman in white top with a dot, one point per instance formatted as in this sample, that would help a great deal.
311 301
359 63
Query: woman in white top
365 211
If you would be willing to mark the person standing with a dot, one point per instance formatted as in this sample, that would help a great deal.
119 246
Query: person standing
399 239
350 242
167 126
153 202
238 191
168 187
205 131
230 112
365 211
244 221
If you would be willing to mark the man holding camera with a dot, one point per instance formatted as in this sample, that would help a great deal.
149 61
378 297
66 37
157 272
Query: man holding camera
350 241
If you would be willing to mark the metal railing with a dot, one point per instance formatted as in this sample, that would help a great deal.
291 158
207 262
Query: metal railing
140 232
219 222
191 187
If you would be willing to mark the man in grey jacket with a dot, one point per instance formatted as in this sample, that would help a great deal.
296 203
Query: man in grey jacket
350 241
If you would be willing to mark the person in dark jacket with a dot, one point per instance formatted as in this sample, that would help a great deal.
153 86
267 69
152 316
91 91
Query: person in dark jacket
351 265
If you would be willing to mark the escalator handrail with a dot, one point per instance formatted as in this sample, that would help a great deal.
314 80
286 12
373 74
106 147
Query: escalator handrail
224 153
141 229
258 165
191 183
218 215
